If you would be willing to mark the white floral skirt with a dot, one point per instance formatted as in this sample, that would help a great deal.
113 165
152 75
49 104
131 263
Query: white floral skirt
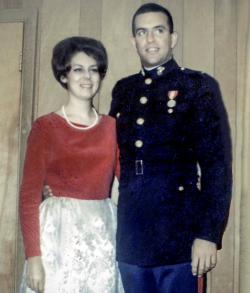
78 246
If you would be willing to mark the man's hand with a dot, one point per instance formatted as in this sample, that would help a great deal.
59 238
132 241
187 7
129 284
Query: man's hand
47 192
35 276
204 256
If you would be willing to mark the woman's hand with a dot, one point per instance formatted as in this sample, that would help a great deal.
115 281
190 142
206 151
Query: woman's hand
47 192
35 275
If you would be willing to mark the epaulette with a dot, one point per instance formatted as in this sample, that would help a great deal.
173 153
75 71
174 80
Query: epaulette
192 71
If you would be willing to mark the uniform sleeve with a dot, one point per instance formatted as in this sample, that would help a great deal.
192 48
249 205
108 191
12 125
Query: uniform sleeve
118 167
34 172
116 103
213 148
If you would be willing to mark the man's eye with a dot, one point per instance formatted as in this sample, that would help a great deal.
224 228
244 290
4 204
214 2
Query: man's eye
159 31
141 33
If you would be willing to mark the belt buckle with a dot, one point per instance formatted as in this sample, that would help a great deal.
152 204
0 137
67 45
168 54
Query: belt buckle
139 167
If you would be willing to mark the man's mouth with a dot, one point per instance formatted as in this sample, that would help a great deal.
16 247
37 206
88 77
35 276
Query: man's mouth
152 49
86 85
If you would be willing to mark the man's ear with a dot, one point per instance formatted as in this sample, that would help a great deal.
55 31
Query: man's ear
63 79
132 39
174 39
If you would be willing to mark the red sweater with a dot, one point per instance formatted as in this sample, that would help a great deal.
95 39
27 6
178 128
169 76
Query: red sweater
74 163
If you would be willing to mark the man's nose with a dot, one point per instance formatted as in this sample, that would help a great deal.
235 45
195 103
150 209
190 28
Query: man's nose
150 36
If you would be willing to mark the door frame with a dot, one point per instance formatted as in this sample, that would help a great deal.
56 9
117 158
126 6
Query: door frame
29 19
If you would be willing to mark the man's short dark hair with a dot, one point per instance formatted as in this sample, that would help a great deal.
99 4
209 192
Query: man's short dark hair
64 51
153 7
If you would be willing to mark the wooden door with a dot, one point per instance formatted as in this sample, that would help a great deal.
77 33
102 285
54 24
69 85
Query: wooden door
11 39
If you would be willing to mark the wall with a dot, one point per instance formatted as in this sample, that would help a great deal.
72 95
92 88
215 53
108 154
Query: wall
244 136
211 39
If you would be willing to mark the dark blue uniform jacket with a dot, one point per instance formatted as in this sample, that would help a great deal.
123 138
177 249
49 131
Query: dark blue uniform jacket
160 209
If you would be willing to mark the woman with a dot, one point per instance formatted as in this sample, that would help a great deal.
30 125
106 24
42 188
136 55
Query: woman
74 151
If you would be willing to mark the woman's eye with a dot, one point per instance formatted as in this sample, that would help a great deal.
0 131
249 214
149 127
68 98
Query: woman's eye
77 69
94 70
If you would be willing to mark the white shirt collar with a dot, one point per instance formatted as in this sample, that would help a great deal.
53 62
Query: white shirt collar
149 69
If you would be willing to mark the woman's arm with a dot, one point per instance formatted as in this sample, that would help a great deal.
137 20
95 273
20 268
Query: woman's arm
35 275
34 173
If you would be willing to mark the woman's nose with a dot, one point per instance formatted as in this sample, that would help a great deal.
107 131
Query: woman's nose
86 74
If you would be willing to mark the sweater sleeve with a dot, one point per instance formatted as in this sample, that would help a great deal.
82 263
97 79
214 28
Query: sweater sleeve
213 147
34 172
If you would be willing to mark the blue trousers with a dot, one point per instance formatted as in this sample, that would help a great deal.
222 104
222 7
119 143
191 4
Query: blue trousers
163 279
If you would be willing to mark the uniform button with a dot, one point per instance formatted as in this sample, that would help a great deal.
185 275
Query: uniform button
181 188
140 121
148 80
182 68
138 143
170 111
143 100
118 114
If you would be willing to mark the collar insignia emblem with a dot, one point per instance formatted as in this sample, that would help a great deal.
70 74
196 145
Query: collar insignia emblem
160 69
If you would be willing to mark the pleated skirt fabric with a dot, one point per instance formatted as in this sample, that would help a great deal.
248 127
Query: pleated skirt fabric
77 240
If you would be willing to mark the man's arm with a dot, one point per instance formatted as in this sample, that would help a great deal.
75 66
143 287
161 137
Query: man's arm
204 256
213 149
213 145
116 103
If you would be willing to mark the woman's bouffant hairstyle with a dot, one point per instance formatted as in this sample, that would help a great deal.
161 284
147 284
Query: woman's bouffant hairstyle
64 51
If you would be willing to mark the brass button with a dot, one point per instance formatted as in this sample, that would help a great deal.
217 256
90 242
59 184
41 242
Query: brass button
118 114
182 68
181 188
170 111
140 121
143 100
148 80
138 143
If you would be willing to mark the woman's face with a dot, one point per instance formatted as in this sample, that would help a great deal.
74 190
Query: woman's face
83 80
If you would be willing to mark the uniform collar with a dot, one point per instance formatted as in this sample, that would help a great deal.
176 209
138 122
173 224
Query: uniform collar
161 70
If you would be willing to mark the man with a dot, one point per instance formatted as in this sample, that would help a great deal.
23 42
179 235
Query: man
169 119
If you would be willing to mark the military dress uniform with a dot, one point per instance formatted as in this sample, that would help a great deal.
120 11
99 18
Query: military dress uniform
168 120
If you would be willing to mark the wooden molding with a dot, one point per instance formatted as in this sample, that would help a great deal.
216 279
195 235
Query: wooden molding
29 18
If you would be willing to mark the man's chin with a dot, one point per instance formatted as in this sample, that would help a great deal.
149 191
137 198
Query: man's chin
151 64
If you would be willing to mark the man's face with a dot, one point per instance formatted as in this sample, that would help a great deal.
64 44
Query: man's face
153 41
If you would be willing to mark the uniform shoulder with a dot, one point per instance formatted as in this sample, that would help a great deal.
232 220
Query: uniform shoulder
196 76
193 72
127 80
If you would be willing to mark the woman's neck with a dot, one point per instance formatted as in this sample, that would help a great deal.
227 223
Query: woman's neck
80 113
